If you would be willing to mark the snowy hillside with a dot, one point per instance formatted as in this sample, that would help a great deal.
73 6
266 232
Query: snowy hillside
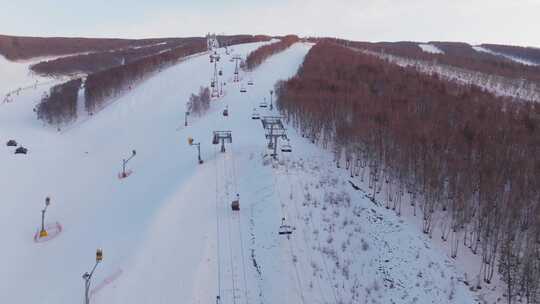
498 85
513 58
167 230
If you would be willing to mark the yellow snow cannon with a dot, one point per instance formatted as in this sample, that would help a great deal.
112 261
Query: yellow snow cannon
99 255
43 233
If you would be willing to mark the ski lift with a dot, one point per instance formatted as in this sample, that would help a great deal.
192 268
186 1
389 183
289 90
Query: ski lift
255 114
243 90
250 82
286 147
235 205
285 229
226 111
263 104
21 150
11 143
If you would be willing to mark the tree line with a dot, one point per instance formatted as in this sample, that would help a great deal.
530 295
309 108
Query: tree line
60 105
19 48
256 57
98 61
456 54
240 39
447 149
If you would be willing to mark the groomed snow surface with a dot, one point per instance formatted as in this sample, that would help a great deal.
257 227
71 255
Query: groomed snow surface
162 227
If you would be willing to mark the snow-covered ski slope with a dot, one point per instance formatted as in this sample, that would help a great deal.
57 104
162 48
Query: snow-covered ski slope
162 227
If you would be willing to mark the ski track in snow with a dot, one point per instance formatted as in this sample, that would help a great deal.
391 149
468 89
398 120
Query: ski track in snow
163 225
513 58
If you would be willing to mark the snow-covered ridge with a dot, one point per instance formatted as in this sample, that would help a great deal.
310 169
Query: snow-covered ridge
430 48
513 58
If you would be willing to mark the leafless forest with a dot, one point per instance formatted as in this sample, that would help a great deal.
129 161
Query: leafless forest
451 149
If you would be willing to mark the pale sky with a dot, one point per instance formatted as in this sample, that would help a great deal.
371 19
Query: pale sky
474 21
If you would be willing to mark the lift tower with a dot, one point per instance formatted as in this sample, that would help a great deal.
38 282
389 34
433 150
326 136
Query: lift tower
214 84
223 137
274 131
236 59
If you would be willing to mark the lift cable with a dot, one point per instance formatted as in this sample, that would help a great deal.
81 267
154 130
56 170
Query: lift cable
239 224
228 198
335 293
291 249
218 258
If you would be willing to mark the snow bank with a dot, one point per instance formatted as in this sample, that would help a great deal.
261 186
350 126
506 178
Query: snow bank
430 48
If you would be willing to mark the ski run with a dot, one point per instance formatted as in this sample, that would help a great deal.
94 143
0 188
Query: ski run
168 232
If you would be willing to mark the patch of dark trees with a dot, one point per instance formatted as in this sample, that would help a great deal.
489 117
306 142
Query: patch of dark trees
448 149
18 48
60 105
256 57
456 54
110 83
199 103
528 53
99 61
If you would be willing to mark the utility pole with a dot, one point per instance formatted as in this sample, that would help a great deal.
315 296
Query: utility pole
43 233
271 95
87 277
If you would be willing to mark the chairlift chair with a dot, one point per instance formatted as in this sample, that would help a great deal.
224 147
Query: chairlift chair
285 229
235 205
226 111
21 150
255 114
250 82
243 90
263 104
11 143
220 73
212 84
286 147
